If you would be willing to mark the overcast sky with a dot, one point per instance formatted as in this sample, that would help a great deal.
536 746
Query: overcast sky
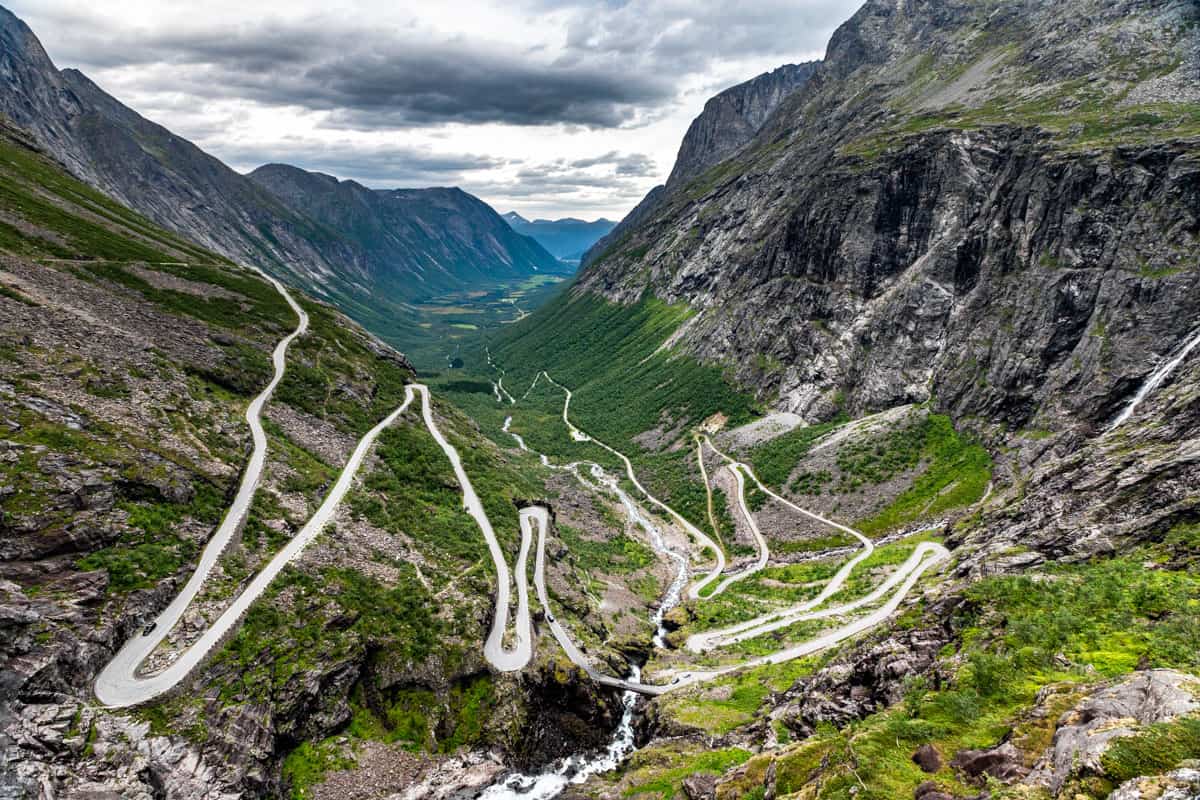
549 107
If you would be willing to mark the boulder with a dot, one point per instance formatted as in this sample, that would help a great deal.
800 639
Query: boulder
1003 762
927 758
1084 733
1181 784
930 790
700 787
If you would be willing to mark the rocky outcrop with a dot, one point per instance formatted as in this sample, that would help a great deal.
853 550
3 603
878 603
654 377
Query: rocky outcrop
729 121
1179 784
866 262
1121 709
867 679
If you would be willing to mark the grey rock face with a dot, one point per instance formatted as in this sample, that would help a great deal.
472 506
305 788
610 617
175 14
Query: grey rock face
867 679
731 119
1085 733
1180 784
927 758
889 237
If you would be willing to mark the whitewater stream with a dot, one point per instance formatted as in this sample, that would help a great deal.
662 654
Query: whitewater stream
578 767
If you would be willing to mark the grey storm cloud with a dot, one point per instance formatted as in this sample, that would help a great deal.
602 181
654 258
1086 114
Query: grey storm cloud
391 167
375 79
631 164
622 61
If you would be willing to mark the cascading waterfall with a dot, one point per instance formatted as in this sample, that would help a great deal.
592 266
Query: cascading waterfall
577 768
1156 379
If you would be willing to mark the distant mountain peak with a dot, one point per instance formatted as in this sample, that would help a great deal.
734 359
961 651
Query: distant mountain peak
567 238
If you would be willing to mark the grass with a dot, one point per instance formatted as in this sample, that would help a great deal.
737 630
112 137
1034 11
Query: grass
309 473
734 700
68 219
774 460
152 551
615 554
609 356
624 384
308 764
660 773
333 358
268 308
287 633
422 720
1014 632
789 584
416 493
14 294
956 475
1156 749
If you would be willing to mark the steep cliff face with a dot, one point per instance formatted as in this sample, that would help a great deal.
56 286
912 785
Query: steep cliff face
995 208
728 122
881 225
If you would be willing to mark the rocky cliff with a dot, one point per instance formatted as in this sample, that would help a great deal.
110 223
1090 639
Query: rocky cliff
991 207
729 121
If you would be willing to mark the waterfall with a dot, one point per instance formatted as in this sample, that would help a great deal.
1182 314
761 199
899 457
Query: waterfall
1156 379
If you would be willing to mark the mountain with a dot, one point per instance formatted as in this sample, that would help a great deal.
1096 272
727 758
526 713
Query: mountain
940 216
728 122
731 119
130 361
567 239
344 256
866 457
416 243
987 215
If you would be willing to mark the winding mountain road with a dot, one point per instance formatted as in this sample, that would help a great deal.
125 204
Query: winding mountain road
705 541
924 557
505 659
120 683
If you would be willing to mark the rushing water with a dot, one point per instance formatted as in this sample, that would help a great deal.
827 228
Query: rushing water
1156 379
577 768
